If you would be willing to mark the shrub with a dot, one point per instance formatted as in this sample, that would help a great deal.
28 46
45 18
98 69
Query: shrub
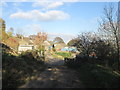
17 69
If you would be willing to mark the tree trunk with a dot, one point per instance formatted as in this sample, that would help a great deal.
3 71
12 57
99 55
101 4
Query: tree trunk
118 52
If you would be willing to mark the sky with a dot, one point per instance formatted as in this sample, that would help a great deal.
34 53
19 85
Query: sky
58 18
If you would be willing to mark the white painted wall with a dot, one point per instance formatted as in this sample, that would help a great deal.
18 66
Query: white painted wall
25 48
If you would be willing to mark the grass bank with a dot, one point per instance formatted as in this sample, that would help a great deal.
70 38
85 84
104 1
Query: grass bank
17 70
97 76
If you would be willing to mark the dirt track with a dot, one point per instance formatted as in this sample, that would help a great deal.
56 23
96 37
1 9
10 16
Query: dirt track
56 75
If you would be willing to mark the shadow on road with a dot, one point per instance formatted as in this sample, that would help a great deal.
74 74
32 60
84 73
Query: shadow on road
56 75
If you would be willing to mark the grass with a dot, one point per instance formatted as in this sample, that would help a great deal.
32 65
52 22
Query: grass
95 76
64 54
58 56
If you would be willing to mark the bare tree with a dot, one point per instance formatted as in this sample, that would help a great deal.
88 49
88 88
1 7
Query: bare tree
84 42
109 25
20 34
10 32
40 38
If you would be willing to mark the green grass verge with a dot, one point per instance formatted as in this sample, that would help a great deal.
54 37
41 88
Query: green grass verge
64 54
57 56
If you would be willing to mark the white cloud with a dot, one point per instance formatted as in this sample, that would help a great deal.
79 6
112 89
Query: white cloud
16 4
42 16
29 29
35 27
61 0
55 4
3 4
89 0
17 0
47 5
59 34
66 37
70 0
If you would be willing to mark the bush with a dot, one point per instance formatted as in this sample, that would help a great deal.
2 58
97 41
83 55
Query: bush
41 48
97 76
17 69
32 55
78 61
